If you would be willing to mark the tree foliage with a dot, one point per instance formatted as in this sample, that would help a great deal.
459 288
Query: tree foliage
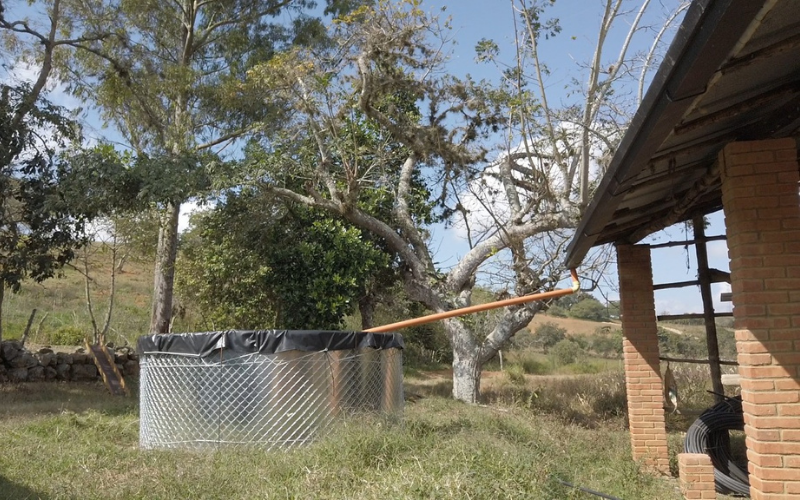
256 263
170 79
386 67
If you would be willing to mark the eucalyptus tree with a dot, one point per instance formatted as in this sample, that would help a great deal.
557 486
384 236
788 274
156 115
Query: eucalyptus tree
503 174
170 81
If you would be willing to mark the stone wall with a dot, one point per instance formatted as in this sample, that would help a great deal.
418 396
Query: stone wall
17 364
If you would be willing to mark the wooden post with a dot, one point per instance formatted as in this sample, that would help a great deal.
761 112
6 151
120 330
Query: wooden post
708 306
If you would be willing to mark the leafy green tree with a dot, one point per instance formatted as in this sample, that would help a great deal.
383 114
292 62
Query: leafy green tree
590 309
258 263
39 229
567 352
170 80
388 65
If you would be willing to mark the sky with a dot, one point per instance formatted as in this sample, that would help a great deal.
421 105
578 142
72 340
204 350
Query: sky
473 20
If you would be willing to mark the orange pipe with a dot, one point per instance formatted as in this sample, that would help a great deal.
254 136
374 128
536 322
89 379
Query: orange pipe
481 307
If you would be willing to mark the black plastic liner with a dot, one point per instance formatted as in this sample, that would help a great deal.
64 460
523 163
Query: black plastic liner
264 342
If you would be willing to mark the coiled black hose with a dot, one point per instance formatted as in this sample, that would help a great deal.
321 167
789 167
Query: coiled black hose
709 435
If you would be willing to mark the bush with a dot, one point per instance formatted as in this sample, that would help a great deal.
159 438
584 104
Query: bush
515 374
589 309
548 334
557 311
607 344
67 335
566 352
532 363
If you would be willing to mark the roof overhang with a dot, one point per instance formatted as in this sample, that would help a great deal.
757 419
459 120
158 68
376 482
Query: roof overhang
732 73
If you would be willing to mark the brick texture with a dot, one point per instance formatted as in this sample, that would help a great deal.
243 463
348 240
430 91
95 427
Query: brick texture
762 212
696 476
640 350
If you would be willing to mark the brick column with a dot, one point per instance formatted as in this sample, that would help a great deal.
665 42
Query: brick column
762 212
696 475
640 347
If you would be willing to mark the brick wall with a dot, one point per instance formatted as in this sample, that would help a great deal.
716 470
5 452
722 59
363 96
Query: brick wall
762 211
640 347
696 475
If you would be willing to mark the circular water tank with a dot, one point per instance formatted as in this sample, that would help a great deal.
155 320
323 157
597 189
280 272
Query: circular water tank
271 388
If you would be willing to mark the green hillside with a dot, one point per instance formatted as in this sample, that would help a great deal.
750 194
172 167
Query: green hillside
62 312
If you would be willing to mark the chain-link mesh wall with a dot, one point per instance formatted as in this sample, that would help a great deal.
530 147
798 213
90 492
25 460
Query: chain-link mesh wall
270 400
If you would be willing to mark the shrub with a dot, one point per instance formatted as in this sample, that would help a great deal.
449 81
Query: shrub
589 309
515 374
566 352
557 311
532 362
607 344
548 334
67 335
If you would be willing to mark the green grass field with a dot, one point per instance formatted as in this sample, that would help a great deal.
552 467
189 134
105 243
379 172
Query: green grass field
76 442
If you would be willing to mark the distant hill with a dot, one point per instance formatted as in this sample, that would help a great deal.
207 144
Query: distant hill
571 325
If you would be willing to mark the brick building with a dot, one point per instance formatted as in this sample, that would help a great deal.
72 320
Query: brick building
718 129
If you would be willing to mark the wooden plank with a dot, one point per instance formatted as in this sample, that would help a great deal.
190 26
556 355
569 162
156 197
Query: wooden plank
684 243
679 284
696 361
104 361
670 317
704 275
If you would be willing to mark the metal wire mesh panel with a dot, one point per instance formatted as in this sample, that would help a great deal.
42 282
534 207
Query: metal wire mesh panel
270 400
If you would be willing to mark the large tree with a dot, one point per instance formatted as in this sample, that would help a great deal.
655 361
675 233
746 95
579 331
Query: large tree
170 81
527 192
39 229
255 262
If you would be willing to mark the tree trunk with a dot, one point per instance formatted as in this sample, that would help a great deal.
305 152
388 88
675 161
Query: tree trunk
2 297
466 376
466 362
164 278
366 306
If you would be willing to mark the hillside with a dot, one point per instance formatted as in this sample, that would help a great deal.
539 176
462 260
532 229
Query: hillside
573 326
61 304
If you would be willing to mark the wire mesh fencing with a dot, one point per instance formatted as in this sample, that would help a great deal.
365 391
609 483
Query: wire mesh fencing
269 400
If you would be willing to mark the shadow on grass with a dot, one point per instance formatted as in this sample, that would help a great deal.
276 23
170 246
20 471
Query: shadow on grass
16 491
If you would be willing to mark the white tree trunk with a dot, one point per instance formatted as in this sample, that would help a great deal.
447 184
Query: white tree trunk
466 362
466 376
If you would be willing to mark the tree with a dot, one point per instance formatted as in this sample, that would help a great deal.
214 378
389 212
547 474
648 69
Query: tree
590 309
527 193
39 231
548 334
256 263
170 81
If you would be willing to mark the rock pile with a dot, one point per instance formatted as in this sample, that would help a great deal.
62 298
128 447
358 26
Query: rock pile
17 364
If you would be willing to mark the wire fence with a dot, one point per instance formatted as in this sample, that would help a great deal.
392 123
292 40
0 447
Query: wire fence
269 400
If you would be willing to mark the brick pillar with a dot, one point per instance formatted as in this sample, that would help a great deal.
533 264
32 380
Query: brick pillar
762 212
640 346
696 475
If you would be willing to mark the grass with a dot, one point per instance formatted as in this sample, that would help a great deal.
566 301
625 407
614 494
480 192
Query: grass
74 441
61 302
